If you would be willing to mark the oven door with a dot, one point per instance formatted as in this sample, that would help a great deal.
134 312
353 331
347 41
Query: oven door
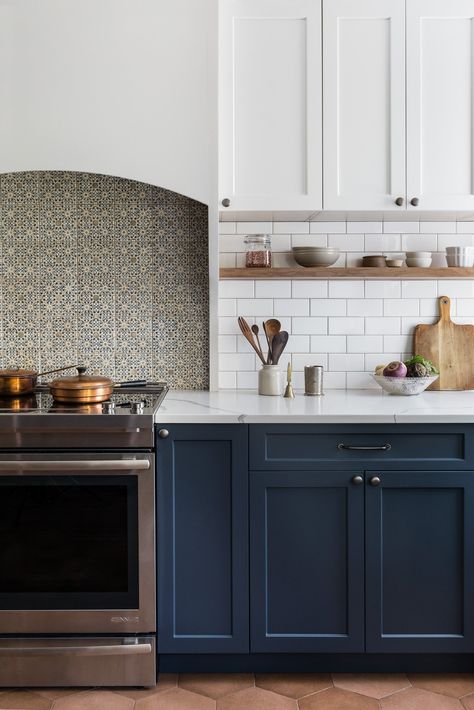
77 543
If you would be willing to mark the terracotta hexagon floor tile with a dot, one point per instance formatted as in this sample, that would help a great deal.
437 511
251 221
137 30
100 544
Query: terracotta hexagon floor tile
94 700
24 700
454 684
375 685
337 699
215 685
419 699
468 702
166 681
55 693
176 699
294 685
255 699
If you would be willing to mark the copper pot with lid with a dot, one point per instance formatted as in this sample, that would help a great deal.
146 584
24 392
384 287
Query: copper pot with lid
16 381
86 389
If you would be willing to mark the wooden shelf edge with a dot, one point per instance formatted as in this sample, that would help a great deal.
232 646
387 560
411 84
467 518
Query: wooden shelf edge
354 272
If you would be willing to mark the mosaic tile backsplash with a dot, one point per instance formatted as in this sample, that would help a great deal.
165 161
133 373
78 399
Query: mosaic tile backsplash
103 271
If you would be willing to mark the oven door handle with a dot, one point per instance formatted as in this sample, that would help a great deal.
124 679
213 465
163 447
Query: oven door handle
127 649
83 465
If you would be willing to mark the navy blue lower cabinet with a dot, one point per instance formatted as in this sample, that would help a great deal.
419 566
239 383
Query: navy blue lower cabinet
420 562
307 561
202 523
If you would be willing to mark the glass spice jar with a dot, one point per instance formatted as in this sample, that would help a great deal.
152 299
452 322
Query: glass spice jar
258 251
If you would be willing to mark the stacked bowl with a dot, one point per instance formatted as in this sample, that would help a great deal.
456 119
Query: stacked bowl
460 256
315 256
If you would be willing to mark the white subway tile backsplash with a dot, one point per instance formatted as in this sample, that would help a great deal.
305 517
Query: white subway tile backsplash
346 289
310 326
291 307
346 362
346 326
255 307
328 227
365 307
401 307
364 343
309 289
346 242
272 289
419 242
328 307
364 227
419 289
239 288
328 343
291 228
383 326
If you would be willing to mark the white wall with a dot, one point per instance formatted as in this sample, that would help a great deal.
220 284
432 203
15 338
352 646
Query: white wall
348 326
121 87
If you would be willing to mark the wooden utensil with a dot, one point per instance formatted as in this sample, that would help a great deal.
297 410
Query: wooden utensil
449 347
247 333
256 331
279 342
272 326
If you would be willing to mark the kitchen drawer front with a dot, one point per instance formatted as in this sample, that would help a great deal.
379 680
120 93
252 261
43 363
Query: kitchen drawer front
303 447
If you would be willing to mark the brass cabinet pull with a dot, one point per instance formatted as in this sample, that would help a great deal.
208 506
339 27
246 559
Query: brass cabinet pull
357 480
163 433
375 481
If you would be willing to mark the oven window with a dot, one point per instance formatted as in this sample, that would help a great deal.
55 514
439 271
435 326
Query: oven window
68 542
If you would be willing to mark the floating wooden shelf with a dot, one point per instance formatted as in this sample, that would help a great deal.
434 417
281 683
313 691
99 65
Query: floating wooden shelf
354 272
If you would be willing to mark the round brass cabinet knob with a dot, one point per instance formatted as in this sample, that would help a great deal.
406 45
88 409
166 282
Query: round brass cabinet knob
226 202
399 201
163 433
415 201
357 480
375 481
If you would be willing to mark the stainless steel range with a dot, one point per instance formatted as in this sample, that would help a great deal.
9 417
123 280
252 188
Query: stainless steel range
77 540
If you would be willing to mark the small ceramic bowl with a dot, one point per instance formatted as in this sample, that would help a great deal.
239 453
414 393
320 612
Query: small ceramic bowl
376 261
420 263
418 255
394 263
404 386
316 258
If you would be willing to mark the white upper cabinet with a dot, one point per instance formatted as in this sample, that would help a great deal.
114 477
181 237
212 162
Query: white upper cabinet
270 115
364 104
440 104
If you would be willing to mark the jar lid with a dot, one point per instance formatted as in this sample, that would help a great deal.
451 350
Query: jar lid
257 238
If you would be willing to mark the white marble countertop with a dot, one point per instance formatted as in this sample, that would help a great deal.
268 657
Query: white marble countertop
336 406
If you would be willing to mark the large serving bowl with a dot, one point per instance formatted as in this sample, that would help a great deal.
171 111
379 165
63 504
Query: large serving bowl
315 256
404 386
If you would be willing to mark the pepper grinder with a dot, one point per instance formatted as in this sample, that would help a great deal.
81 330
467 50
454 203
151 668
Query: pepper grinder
289 394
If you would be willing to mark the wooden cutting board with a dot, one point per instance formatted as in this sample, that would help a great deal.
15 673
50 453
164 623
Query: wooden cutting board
450 347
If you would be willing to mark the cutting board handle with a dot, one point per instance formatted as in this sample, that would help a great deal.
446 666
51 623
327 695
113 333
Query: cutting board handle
444 309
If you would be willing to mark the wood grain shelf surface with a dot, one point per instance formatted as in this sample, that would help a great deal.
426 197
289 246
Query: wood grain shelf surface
354 272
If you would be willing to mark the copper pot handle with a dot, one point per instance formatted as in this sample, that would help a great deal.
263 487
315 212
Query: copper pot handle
61 369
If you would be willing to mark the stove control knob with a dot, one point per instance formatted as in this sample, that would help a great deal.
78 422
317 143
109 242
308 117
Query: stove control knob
136 408
164 433
108 408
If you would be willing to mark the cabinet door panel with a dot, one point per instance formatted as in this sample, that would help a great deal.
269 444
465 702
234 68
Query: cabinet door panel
270 105
306 562
419 562
439 103
364 103
202 484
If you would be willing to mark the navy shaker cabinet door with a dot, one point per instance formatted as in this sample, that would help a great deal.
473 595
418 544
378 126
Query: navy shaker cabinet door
420 562
307 561
202 524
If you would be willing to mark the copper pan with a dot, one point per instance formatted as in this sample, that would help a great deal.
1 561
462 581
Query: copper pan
86 389
17 382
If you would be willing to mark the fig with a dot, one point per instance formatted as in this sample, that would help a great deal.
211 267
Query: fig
395 369
417 369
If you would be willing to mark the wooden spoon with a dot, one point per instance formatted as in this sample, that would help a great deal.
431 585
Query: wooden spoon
272 326
278 345
247 333
255 331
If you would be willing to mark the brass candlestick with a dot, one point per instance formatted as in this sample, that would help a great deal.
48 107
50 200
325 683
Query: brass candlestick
289 394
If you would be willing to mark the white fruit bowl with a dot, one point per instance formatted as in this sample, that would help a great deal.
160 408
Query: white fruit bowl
404 386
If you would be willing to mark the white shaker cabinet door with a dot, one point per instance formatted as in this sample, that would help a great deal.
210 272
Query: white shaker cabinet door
440 160
270 115
364 104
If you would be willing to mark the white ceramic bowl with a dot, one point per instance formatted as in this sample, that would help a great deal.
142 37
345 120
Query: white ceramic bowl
404 386
420 263
418 255
316 258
